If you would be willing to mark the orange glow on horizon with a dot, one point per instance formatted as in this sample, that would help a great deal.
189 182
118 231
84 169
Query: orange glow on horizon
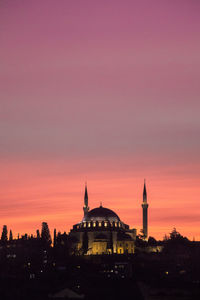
30 197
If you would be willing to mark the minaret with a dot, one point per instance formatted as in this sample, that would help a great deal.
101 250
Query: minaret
85 207
145 212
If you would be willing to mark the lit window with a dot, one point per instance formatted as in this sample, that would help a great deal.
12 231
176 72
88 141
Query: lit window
106 224
94 224
84 225
89 224
116 224
99 224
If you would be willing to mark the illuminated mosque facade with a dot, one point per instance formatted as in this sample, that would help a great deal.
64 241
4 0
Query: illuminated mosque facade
101 231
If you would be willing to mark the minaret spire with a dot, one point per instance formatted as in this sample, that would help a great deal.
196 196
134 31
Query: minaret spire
86 196
86 207
144 193
145 212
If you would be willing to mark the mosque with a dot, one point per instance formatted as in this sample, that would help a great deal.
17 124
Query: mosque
101 231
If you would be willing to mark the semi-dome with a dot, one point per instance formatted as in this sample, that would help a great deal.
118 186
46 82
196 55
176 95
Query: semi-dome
102 214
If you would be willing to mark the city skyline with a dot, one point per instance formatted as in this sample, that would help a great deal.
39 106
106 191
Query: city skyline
106 93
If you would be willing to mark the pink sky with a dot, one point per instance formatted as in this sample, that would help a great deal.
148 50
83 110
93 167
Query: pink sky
103 91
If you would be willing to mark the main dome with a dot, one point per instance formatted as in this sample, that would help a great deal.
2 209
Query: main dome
102 214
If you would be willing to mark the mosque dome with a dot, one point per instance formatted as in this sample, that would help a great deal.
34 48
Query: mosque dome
102 214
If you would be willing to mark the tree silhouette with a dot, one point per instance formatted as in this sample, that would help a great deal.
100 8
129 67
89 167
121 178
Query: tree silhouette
176 238
4 235
175 243
152 241
38 234
141 234
54 237
140 242
45 234
175 235
10 236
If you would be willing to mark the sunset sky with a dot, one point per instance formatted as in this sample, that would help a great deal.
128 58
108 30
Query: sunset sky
106 92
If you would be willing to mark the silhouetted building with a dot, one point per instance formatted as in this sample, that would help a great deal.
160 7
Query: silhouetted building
101 231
